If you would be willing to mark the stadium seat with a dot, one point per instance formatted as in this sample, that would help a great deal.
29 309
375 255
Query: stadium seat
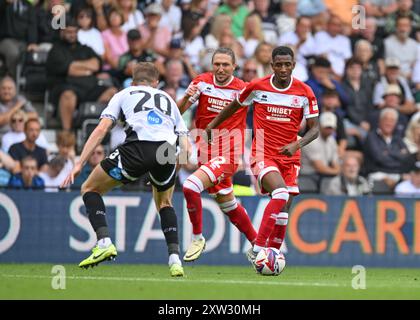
307 184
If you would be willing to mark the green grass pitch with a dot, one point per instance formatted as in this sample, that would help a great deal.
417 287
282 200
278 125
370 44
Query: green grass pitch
119 281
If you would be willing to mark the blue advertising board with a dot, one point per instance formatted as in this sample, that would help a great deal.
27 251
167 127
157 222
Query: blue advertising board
37 226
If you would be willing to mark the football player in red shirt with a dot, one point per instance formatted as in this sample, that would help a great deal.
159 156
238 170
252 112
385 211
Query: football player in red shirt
280 103
218 161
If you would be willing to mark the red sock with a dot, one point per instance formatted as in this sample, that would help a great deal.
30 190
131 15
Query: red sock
195 209
279 232
239 217
274 207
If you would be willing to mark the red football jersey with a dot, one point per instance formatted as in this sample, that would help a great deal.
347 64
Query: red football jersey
278 113
212 99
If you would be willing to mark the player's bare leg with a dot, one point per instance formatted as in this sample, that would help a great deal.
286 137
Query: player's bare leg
192 188
169 224
274 184
237 215
97 184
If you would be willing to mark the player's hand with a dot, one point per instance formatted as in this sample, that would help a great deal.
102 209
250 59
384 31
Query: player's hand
73 174
191 90
290 149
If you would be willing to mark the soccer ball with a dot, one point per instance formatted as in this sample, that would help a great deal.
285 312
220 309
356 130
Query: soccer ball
270 262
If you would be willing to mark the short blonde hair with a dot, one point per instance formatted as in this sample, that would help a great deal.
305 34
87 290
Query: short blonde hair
145 71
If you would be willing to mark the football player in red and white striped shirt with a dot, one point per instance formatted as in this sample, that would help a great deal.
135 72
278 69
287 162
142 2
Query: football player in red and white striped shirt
218 161
280 104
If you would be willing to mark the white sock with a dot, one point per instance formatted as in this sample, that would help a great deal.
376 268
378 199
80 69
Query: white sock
197 236
174 259
104 243
257 248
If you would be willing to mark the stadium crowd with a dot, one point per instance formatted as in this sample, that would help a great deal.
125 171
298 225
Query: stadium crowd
364 68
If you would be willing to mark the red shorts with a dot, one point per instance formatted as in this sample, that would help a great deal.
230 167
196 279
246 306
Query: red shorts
288 168
220 173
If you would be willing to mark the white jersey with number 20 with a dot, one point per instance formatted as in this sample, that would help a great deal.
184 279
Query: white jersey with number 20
150 113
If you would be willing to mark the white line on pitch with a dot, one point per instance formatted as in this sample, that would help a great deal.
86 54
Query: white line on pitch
187 281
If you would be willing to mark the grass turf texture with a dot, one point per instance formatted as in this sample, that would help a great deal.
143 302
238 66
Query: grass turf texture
117 281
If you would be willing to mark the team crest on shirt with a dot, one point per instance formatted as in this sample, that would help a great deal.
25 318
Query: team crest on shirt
295 102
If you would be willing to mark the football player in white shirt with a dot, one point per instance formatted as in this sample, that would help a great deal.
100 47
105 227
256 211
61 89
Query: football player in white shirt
154 124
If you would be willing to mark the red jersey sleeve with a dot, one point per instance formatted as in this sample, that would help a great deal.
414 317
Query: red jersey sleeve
311 105
247 95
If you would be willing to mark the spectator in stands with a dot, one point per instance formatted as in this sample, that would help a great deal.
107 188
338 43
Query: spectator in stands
364 53
349 182
28 147
385 150
330 102
416 78
136 53
88 34
115 39
7 164
320 157
301 40
171 16
44 17
263 57
359 107
404 9
156 37
369 34
18 31
402 47
66 143
321 79
392 76
132 17
52 176
412 134
193 42
72 73
249 70
379 8
344 11
100 11
17 134
97 156
238 12
176 52
269 23
334 45
221 25
311 8
392 99
286 21
252 36
10 102
28 178
175 77
410 187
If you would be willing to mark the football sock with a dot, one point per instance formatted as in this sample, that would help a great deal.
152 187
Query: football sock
239 218
278 200
277 236
95 209
174 259
104 243
197 236
192 189
169 226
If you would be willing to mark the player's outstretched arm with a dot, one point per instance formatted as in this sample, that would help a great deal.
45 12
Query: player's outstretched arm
94 140
313 132
223 115
190 97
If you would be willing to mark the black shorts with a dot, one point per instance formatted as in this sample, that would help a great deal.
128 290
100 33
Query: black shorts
82 94
131 160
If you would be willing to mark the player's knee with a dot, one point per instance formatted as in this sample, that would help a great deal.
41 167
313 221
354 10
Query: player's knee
280 194
192 184
228 206
87 187
163 204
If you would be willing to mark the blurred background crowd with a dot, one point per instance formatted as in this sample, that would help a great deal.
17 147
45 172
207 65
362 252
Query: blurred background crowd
61 62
